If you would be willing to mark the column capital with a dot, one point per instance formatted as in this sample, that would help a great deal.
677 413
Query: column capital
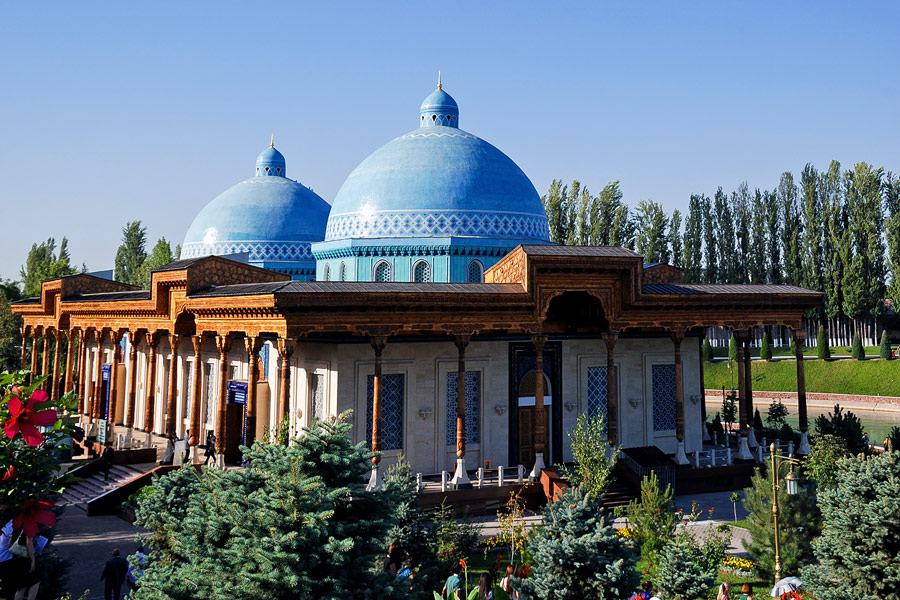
253 344
610 339
175 341
461 341
799 335
539 339
197 344
223 343
378 342
152 339
677 334
286 347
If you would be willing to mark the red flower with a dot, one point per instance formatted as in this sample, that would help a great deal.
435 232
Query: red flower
10 475
33 513
24 419
527 570
462 563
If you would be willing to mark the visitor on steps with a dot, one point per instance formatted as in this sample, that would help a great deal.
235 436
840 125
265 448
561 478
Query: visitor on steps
114 575
106 460
210 448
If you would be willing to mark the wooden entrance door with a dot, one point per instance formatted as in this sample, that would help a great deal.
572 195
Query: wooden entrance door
526 434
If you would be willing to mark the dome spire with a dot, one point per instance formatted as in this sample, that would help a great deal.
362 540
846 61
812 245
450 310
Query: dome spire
440 87
439 109
272 142
270 162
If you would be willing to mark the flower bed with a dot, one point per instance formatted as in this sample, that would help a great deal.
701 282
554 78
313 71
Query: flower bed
736 565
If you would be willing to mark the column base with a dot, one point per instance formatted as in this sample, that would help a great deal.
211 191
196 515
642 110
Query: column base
680 457
460 479
744 450
751 439
705 429
374 479
126 440
804 448
535 474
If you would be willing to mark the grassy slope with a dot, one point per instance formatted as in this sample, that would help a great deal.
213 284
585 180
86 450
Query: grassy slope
871 377
722 351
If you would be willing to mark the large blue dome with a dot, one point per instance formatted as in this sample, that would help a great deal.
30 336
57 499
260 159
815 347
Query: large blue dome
438 181
272 218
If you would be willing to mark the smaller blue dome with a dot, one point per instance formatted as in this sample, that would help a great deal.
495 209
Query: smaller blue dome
271 162
439 109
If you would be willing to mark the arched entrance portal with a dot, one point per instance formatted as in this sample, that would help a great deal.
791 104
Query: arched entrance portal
522 377
528 416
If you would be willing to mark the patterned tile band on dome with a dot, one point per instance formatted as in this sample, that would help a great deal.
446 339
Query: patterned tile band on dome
258 250
418 224
663 397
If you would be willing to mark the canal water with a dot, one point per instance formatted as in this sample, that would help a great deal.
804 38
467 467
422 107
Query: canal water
877 423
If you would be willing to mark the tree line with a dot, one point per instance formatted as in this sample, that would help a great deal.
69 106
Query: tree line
835 231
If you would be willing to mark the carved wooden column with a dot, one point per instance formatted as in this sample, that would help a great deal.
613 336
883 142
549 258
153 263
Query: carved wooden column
115 337
83 395
174 341
252 344
223 345
35 354
612 405
24 361
132 379
540 428
799 340
680 457
71 338
196 387
743 446
45 357
97 389
285 350
748 383
152 343
378 343
54 387
704 429
460 477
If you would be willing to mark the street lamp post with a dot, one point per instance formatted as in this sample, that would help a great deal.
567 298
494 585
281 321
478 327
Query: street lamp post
791 489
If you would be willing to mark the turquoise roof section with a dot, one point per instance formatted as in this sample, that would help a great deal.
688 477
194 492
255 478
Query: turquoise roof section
271 217
438 181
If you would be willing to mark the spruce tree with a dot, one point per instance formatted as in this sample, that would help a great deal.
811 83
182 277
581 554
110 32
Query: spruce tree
856 348
798 524
652 516
681 575
858 554
577 555
294 524
732 348
707 350
884 349
823 350
131 253
765 349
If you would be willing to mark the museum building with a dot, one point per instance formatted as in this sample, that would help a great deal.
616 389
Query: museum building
427 299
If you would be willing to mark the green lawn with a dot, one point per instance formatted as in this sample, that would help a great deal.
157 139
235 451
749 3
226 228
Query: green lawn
870 377
722 351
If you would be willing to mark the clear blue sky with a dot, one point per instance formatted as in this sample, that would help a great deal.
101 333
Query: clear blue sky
117 111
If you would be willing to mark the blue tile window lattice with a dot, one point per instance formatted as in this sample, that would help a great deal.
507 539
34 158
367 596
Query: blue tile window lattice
264 358
475 272
473 404
598 386
391 410
382 271
663 397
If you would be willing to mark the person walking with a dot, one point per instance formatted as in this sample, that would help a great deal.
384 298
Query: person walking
485 587
506 584
114 575
451 589
746 592
724 591
106 460
210 452
18 566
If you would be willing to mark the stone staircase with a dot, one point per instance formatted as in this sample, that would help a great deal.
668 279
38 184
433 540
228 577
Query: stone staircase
77 494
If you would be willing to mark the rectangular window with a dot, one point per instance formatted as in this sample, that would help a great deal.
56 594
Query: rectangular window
663 397
211 400
317 395
473 405
597 393
188 393
391 410
264 357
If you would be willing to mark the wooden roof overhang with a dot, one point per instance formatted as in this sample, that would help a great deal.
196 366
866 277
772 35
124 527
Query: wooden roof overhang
549 289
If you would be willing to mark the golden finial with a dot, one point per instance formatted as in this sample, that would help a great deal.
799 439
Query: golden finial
439 81
272 142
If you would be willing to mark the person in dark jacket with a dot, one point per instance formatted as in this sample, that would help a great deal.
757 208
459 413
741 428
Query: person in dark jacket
114 575
106 460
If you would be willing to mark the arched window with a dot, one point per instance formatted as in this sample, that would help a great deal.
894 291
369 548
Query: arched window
383 271
327 272
422 272
342 272
475 272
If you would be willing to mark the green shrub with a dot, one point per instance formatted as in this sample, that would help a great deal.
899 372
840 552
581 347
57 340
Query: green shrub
856 348
894 438
843 425
732 348
822 464
884 349
652 515
765 350
707 351
823 351
777 414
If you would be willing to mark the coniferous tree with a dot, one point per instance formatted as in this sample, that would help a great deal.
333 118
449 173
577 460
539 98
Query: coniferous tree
892 231
858 553
44 263
813 261
884 349
798 524
742 212
835 238
775 242
728 257
710 237
765 349
856 348
652 241
791 229
758 262
131 253
577 554
291 525
681 575
823 350
707 351
693 242
732 348
675 238
652 516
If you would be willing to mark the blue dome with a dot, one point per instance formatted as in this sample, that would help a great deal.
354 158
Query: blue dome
269 216
438 181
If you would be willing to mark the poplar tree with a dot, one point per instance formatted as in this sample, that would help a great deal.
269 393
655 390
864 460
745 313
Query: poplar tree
773 232
892 230
693 242
711 252
863 188
675 238
43 262
728 257
652 241
583 218
159 257
836 242
571 212
742 212
813 260
607 204
791 228
758 264
131 254
554 206
622 228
